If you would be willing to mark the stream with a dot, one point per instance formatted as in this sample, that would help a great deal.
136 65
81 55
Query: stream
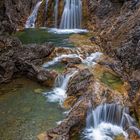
29 109
25 112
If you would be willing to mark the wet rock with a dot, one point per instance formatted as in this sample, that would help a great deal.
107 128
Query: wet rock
83 90
120 137
84 44
75 117
26 60
119 38
69 102
80 83
134 134
42 136
71 60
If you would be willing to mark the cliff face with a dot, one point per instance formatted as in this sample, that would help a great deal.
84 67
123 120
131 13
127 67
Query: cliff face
117 28
13 14
117 25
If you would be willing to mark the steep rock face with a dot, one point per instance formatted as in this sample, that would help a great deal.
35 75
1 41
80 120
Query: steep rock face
117 24
13 14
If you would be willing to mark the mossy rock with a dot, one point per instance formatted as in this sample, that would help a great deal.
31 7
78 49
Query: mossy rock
111 80
119 137
38 90
69 102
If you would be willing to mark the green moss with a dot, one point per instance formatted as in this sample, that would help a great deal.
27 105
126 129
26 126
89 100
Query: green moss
59 67
120 137
111 80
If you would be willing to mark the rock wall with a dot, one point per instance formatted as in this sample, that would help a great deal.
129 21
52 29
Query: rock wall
13 14
24 60
116 24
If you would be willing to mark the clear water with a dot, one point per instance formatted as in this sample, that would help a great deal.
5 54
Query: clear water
24 111
40 36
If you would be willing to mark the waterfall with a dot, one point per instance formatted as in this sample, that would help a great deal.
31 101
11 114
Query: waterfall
72 13
59 58
107 121
58 94
47 5
91 60
56 12
30 23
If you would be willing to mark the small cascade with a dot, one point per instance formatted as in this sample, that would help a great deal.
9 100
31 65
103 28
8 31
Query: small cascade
72 15
59 58
30 23
56 12
91 60
107 121
47 5
58 94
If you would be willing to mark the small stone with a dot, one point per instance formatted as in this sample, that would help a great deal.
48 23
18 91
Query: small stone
38 90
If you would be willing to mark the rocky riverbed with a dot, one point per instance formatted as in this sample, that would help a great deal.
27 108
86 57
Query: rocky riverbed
101 68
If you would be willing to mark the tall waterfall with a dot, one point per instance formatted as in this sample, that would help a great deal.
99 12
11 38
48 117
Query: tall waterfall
30 23
56 13
107 121
72 15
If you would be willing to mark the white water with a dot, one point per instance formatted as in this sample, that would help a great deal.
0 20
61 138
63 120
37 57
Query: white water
58 94
72 15
91 60
30 23
59 58
47 5
67 31
104 131
107 121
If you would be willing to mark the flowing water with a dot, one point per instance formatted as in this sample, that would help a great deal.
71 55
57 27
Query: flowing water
58 94
47 5
58 59
30 23
72 15
91 59
24 111
56 13
108 121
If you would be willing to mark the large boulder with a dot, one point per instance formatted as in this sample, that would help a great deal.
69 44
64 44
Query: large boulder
26 60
